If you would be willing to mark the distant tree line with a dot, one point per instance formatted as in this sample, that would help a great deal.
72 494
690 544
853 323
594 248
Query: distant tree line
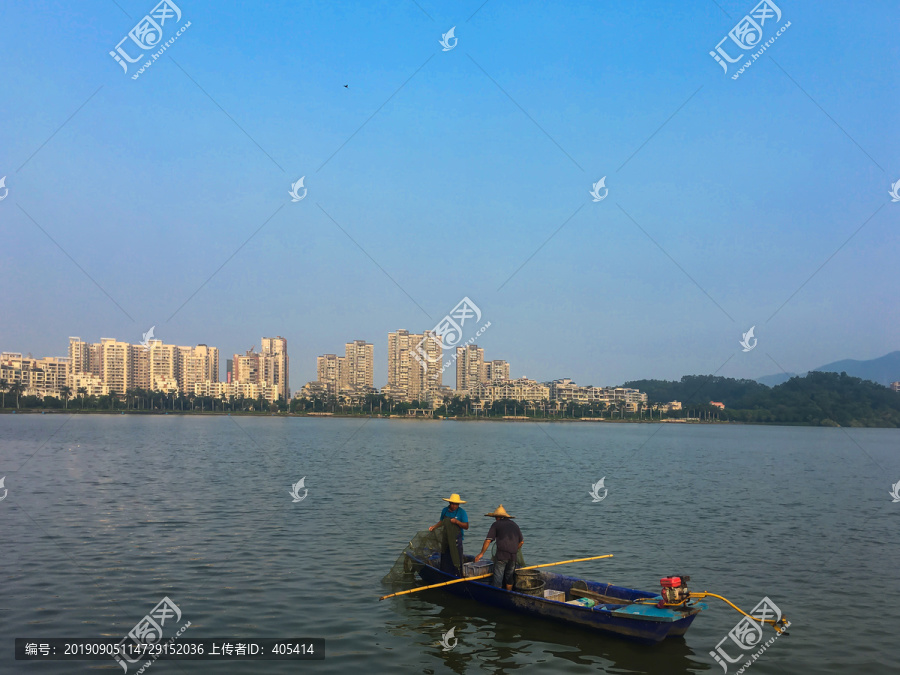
818 399
136 399
462 406
699 390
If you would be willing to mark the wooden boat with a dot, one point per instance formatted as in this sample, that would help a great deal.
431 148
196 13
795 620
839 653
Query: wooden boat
616 611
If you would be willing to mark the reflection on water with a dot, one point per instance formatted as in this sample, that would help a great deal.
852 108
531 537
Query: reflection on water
506 642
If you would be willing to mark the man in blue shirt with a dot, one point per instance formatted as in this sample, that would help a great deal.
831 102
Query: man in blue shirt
456 516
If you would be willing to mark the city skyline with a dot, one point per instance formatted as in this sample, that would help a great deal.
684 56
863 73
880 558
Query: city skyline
112 368
309 373
154 364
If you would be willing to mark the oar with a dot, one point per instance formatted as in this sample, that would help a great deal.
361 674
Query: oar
482 576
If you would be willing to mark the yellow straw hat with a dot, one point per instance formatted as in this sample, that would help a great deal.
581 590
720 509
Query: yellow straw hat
500 513
454 499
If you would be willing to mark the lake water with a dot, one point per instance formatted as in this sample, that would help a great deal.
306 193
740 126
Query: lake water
107 514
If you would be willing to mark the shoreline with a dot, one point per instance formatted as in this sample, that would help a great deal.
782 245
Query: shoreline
410 418
416 418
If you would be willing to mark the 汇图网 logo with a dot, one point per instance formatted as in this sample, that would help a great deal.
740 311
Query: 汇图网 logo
446 637
446 40
448 333
895 491
894 193
597 187
748 633
295 490
146 337
295 193
148 34
149 631
747 337
595 490
748 35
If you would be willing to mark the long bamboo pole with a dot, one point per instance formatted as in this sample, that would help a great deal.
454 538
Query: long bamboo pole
482 576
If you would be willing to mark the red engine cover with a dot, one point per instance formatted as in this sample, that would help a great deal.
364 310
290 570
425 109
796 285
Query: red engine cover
670 582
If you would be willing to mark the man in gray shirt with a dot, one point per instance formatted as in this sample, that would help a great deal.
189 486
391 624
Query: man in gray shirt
509 540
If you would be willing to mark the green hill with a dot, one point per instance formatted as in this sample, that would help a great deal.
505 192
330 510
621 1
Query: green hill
698 389
818 399
824 399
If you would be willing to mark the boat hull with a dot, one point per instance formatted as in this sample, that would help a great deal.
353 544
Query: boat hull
638 622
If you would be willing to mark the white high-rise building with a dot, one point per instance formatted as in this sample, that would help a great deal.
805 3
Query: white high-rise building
330 370
275 366
414 365
116 359
79 356
359 364
469 367
495 370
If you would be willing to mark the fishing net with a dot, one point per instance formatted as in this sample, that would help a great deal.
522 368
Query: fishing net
426 544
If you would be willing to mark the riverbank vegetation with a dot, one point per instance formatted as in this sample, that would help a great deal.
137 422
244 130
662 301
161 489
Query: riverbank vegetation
818 399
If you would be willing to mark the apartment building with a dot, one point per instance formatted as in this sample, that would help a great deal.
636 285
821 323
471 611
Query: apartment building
414 365
469 367
96 359
564 391
245 367
195 365
359 361
230 391
56 373
163 358
314 389
121 366
495 370
269 367
116 359
39 377
521 389
472 369
92 385
400 346
330 371
79 355
140 367
275 366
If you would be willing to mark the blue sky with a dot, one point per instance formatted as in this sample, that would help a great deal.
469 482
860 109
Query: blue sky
452 168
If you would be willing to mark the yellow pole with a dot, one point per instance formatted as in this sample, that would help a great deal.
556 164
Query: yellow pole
707 594
482 576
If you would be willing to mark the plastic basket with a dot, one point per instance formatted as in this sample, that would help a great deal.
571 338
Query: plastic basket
475 569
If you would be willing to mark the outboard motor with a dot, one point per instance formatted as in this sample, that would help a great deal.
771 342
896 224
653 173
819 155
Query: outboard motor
674 590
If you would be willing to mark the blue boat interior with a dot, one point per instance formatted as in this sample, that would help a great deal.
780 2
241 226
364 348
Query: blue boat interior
617 599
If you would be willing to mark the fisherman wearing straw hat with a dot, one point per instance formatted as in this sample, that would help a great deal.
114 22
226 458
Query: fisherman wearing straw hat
456 521
509 540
